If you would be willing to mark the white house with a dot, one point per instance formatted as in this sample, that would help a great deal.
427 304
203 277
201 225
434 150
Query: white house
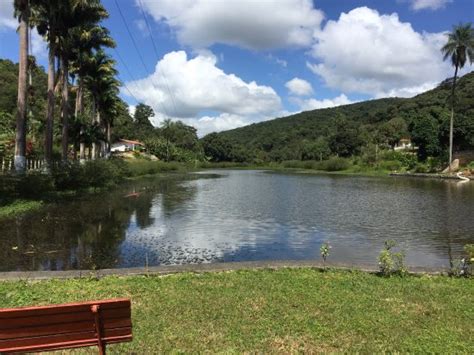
404 144
125 145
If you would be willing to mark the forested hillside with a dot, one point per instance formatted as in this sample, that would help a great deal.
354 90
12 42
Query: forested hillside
346 130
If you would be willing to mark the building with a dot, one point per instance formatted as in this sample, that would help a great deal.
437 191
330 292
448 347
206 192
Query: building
404 144
125 145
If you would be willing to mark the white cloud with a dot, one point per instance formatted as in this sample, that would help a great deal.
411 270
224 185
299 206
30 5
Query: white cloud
186 88
222 122
366 52
313 104
299 87
245 23
7 21
39 47
131 110
429 4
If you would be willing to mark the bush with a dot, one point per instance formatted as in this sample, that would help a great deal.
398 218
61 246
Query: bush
390 165
463 267
407 160
68 176
335 164
143 167
390 262
102 173
34 184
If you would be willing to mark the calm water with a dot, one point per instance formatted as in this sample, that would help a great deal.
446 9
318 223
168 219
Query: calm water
244 215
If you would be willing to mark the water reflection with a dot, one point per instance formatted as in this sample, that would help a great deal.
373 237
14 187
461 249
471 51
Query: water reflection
244 215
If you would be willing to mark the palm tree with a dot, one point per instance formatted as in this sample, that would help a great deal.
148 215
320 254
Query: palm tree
100 81
47 19
460 48
85 40
22 11
55 20
76 15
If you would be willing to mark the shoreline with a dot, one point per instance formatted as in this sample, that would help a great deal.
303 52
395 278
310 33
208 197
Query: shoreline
162 270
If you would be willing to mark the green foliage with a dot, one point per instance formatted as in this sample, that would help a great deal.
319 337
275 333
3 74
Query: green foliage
464 266
348 129
142 116
146 167
425 130
391 262
335 164
324 250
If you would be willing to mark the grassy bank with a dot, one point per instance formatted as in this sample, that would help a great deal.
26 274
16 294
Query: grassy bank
21 194
286 310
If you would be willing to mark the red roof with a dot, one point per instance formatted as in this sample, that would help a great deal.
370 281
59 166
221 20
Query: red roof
131 142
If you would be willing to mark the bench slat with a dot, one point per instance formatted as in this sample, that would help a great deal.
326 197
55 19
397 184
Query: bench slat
64 340
62 328
70 317
9 313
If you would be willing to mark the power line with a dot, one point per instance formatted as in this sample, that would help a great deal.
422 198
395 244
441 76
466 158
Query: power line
126 87
131 37
156 53
138 52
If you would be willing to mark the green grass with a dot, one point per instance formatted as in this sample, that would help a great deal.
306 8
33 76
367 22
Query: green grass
18 207
287 310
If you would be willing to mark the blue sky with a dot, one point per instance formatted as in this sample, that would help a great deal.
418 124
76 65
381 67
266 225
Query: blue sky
222 64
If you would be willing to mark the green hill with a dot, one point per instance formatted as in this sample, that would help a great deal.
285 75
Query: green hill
346 130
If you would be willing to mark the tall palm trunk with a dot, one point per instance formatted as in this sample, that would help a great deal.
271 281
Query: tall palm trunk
451 122
64 108
79 111
48 148
20 139
109 137
95 119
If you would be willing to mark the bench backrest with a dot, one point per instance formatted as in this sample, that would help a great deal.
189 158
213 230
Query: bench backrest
65 326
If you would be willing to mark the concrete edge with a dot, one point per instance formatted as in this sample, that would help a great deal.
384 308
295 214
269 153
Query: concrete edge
198 268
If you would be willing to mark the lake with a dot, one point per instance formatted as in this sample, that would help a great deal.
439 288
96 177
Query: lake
240 215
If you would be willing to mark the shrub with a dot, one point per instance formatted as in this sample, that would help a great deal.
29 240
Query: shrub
324 250
463 267
335 164
391 262
391 165
407 160
68 176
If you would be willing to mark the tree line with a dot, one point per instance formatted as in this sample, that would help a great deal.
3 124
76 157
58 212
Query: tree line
76 41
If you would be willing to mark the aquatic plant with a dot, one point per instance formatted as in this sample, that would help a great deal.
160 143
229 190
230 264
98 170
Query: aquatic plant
391 262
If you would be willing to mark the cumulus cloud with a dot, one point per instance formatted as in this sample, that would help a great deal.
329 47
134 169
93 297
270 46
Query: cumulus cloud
366 52
429 4
7 21
246 23
39 47
299 87
187 88
313 104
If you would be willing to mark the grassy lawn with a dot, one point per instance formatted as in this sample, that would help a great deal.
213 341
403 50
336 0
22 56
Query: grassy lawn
286 310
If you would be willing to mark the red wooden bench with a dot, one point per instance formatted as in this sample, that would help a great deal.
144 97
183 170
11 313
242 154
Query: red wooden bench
65 326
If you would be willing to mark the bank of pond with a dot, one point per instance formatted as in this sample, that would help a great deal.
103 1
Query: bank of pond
282 311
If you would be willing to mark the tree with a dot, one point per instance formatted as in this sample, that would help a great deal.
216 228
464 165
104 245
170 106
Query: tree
167 127
425 134
460 49
316 150
217 148
394 130
101 83
22 11
142 116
